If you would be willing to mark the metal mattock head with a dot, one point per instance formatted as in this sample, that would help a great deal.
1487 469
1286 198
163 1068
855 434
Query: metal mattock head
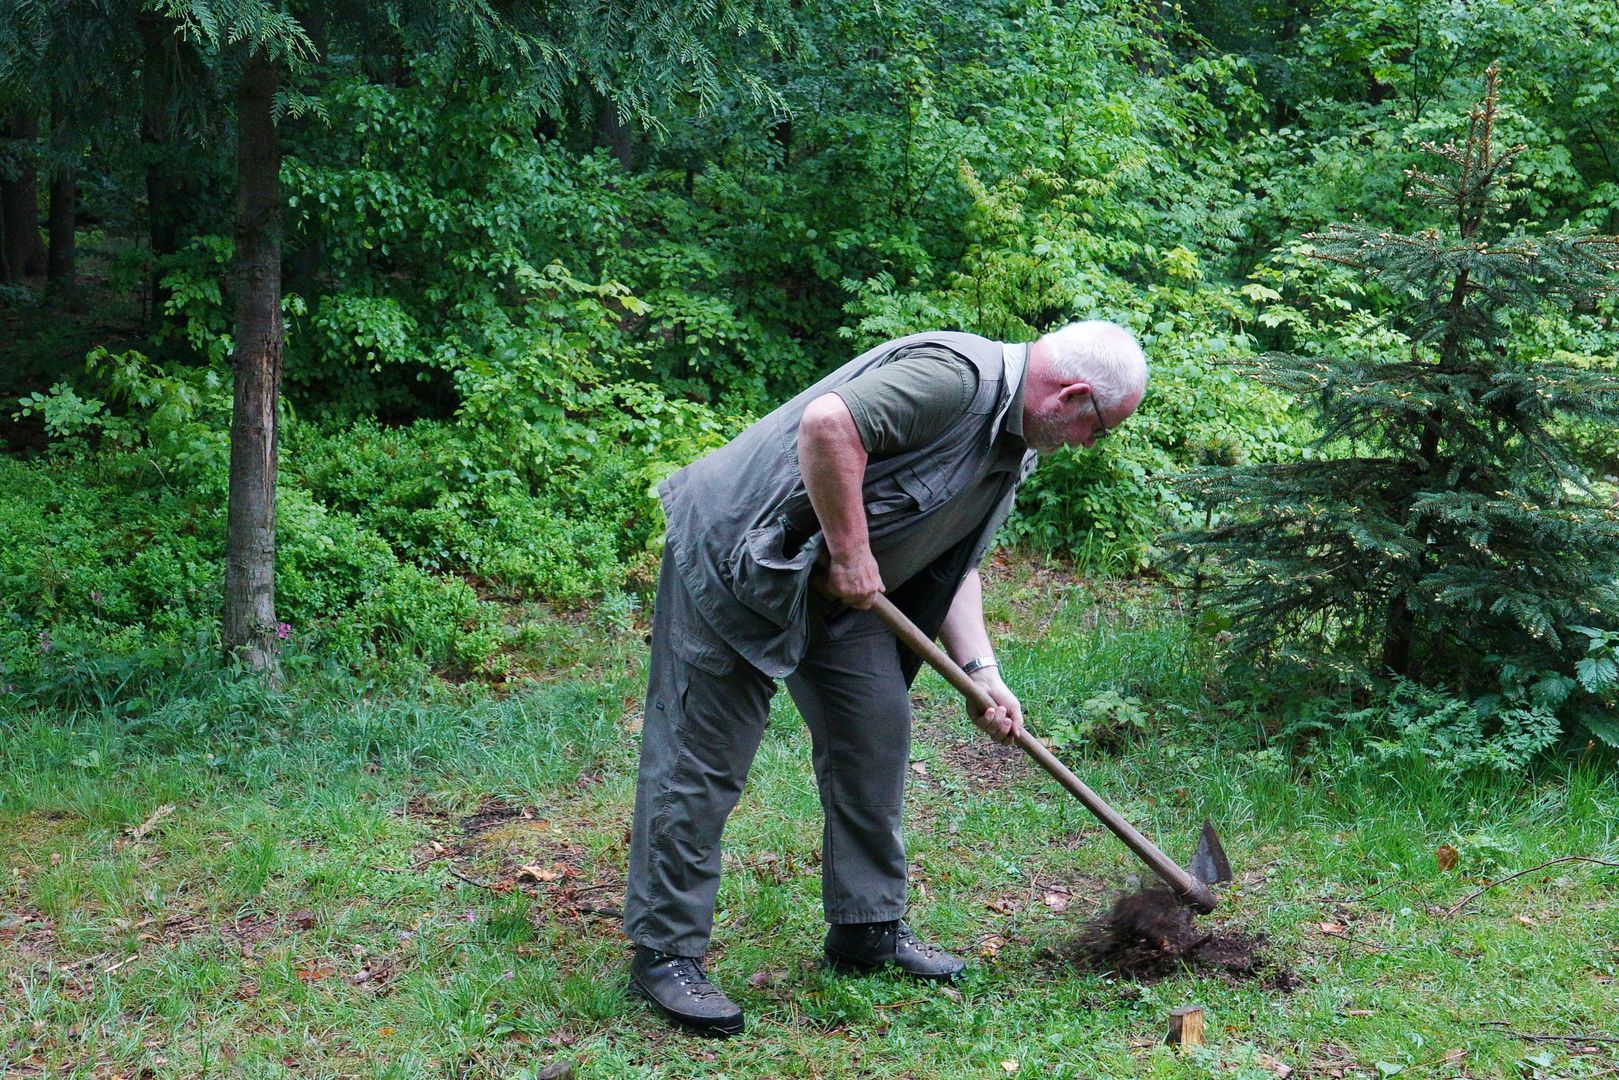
1209 862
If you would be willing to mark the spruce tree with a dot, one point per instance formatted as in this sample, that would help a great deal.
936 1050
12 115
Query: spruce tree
1441 530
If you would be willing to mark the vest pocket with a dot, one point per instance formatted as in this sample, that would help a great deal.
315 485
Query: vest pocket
925 494
905 491
769 580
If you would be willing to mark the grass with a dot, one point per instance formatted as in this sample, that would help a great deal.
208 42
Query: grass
408 880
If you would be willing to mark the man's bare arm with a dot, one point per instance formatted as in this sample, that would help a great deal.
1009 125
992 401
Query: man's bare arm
965 637
832 459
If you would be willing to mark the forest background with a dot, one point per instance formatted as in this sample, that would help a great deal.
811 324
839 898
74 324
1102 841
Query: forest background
531 266
1346 581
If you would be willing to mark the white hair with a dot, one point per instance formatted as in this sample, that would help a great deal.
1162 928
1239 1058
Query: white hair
1104 354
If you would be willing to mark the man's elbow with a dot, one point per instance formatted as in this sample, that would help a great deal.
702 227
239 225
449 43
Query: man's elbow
826 423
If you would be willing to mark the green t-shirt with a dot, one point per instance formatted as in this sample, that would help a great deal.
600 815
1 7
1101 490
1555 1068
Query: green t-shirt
911 400
905 404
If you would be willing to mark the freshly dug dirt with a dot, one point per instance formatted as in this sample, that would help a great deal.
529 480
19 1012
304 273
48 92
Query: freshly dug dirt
1149 935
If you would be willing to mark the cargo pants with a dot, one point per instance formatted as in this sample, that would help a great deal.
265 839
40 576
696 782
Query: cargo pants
706 710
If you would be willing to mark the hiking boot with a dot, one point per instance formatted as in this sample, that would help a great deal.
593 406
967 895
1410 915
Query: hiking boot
860 947
678 987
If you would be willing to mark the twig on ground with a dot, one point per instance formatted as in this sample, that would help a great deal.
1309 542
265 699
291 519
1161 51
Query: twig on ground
470 881
1358 899
98 957
900 1004
1503 1028
1475 894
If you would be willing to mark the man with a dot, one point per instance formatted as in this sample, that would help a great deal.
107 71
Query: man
895 471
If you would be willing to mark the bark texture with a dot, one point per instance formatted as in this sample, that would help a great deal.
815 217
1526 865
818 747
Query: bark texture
169 194
24 254
60 270
249 629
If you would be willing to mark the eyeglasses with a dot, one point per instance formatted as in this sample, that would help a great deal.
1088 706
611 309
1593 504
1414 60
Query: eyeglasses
1100 423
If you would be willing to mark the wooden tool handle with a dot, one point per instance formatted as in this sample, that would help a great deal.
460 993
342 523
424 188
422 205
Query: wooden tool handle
1184 884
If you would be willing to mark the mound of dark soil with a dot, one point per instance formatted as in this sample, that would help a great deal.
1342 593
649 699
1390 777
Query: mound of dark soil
1149 935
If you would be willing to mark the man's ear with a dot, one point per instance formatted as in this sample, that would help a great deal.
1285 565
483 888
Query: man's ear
1071 393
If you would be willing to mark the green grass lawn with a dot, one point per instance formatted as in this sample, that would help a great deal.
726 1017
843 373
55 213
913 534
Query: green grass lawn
417 879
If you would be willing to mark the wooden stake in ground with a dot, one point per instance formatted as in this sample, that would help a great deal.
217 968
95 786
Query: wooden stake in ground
1185 1026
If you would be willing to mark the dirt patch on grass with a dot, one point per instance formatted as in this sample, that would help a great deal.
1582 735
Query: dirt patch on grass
1149 935
504 851
985 765
966 752
493 813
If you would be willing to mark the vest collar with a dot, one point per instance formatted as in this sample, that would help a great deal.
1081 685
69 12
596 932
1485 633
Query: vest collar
1015 358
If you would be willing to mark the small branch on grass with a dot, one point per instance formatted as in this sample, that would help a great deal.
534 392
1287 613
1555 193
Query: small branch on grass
1475 894
1358 899
1503 1028
458 875
97 958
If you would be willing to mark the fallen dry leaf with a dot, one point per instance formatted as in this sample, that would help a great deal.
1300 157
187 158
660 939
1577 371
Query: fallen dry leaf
1010 1066
1360 1012
1280 1068
951 992
385 1032
920 768
536 872
312 970
139 832
991 946
761 979
1446 857
1057 901
1005 905
1333 928
56 858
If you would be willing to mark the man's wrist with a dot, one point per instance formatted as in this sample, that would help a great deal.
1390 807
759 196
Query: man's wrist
979 663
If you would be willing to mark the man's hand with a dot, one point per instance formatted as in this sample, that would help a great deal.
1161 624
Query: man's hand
1005 720
854 579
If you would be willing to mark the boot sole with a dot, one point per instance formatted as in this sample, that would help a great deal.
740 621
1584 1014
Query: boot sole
712 1029
848 965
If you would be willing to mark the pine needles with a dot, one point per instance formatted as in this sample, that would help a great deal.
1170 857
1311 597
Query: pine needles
1442 527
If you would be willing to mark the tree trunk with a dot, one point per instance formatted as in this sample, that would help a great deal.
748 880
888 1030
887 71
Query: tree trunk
249 630
59 263
611 133
167 192
19 194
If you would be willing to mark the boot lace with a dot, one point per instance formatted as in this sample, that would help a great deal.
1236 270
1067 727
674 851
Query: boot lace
910 939
694 978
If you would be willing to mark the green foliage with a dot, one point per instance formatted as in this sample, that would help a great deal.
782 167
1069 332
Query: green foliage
433 496
1105 722
174 420
1449 735
1441 524
110 577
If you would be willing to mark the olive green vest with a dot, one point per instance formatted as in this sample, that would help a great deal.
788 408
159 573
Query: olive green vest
745 538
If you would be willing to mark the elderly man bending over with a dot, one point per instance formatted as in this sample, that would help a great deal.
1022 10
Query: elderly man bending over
895 470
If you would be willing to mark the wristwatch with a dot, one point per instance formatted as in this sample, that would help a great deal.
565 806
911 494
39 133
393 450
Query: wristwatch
979 662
